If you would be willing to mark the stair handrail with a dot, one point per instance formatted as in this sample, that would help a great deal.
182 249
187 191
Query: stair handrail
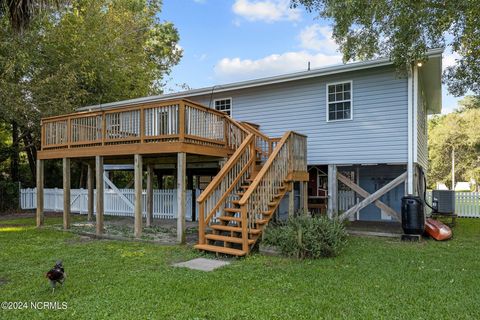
265 168
271 178
235 171
264 143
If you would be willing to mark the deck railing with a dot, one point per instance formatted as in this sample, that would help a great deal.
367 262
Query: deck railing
170 121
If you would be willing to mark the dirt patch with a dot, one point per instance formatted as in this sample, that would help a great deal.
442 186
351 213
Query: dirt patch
19 215
3 281
15 225
79 239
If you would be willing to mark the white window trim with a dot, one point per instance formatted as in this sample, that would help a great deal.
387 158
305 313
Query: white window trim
351 100
226 98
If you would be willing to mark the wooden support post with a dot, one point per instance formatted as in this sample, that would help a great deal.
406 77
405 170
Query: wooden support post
100 185
245 246
138 195
90 191
201 223
149 195
181 196
40 183
291 200
190 186
332 191
304 196
66 193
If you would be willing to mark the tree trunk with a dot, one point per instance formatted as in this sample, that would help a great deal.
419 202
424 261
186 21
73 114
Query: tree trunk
14 166
31 153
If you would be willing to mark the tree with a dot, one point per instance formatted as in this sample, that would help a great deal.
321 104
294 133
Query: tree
468 103
85 53
458 131
405 30
21 12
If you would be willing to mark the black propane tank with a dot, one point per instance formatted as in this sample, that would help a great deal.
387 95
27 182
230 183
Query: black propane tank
413 215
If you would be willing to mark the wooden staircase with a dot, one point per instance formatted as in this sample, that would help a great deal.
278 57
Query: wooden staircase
240 201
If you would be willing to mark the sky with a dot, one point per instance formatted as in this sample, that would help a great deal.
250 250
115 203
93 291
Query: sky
226 41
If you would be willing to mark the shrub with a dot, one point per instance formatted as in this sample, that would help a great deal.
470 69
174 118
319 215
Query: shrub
8 196
308 237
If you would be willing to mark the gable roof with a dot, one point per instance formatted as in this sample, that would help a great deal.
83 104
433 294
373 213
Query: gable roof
335 69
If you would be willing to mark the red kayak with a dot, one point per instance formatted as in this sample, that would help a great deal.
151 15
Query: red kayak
437 230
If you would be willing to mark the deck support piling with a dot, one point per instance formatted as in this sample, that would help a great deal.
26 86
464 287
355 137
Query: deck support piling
149 196
100 184
304 196
90 191
66 193
138 195
291 200
181 196
40 217
332 211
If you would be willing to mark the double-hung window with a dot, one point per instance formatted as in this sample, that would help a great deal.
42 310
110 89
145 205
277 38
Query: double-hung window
339 101
224 105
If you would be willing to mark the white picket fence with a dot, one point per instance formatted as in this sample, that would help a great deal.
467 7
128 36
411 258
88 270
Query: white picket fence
467 204
346 200
164 202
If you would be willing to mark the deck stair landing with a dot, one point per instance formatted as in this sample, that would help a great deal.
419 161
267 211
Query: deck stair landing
237 205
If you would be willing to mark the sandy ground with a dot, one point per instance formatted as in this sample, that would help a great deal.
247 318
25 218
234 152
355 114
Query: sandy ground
162 230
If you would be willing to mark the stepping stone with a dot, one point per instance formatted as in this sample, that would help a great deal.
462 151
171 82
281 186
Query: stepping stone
202 264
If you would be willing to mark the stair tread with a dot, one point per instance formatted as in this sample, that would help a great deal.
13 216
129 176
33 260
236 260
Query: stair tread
227 239
230 228
231 251
232 209
237 219
225 218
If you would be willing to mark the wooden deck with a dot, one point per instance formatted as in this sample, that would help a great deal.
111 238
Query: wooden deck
257 170
154 128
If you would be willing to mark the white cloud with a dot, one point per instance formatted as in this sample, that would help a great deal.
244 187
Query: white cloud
317 38
236 69
266 10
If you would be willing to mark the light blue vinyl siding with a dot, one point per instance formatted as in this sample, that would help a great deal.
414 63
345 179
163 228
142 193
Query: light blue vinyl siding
422 128
377 133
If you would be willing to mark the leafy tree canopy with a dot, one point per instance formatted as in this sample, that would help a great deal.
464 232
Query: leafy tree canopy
405 30
459 131
82 53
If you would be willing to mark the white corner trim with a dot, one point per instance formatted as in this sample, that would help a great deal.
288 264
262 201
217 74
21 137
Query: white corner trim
410 154
351 100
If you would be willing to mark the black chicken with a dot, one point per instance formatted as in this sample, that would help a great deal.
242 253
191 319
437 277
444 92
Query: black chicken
56 275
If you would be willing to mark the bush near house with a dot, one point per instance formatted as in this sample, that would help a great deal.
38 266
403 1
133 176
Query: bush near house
308 237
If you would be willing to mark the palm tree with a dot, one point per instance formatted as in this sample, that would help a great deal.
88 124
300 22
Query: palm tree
21 12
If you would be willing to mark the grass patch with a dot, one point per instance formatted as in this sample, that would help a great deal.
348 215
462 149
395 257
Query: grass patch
372 278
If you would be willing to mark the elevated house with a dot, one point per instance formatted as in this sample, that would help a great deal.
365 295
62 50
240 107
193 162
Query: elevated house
364 126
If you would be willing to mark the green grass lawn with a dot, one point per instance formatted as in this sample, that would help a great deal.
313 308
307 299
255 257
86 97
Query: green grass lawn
373 278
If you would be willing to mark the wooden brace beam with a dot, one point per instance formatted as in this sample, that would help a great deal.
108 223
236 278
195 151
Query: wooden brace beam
364 194
374 196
